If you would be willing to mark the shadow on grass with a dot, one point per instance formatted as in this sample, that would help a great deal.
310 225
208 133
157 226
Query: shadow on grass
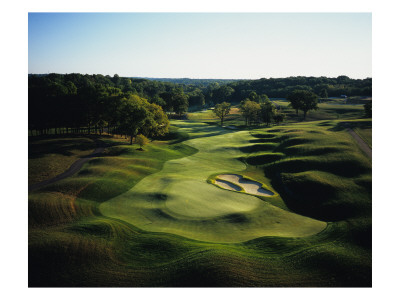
59 145
263 159
258 147
315 200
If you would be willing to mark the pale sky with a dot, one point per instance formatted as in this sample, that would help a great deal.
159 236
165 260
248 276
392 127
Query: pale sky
201 45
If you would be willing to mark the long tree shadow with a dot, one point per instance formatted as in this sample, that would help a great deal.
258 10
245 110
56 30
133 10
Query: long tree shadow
43 146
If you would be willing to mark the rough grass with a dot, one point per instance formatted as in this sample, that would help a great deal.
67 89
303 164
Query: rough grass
363 128
322 174
71 242
88 252
49 157
105 177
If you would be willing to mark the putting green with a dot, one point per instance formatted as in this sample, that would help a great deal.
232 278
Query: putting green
179 200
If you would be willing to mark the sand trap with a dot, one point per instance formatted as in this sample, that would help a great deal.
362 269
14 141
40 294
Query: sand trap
227 185
249 186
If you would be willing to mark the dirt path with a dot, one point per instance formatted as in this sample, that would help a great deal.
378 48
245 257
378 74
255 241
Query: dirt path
74 168
363 145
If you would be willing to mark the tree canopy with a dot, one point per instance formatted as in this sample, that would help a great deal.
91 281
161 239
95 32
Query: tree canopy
83 103
92 103
281 87
267 111
303 100
250 110
222 110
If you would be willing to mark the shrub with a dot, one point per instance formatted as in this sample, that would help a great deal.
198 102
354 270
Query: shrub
141 140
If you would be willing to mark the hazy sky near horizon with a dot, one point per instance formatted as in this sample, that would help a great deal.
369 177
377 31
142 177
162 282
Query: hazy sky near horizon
201 45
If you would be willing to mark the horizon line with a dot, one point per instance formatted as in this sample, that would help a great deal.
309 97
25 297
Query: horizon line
204 78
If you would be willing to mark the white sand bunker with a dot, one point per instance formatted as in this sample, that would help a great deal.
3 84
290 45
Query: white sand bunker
227 185
233 181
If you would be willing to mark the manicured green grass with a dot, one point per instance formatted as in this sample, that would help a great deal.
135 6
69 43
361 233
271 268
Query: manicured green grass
203 115
233 119
179 200
149 218
331 111
325 111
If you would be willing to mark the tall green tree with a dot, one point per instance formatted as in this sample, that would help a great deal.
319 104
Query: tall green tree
295 99
157 124
267 112
221 110
180 103
250 110
133 115
304 100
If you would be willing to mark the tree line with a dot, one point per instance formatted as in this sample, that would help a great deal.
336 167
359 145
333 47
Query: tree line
90 104
279 87
208 92
255 109
322 86
94 103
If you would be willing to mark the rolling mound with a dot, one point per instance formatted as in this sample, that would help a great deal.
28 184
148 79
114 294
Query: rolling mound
166 225
188 206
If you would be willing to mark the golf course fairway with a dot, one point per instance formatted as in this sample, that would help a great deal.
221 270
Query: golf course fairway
179 200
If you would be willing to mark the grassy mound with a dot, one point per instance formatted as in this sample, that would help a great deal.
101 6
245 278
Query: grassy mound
262 158
194 209
319 169
149 218
324 195
103 178
49 157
